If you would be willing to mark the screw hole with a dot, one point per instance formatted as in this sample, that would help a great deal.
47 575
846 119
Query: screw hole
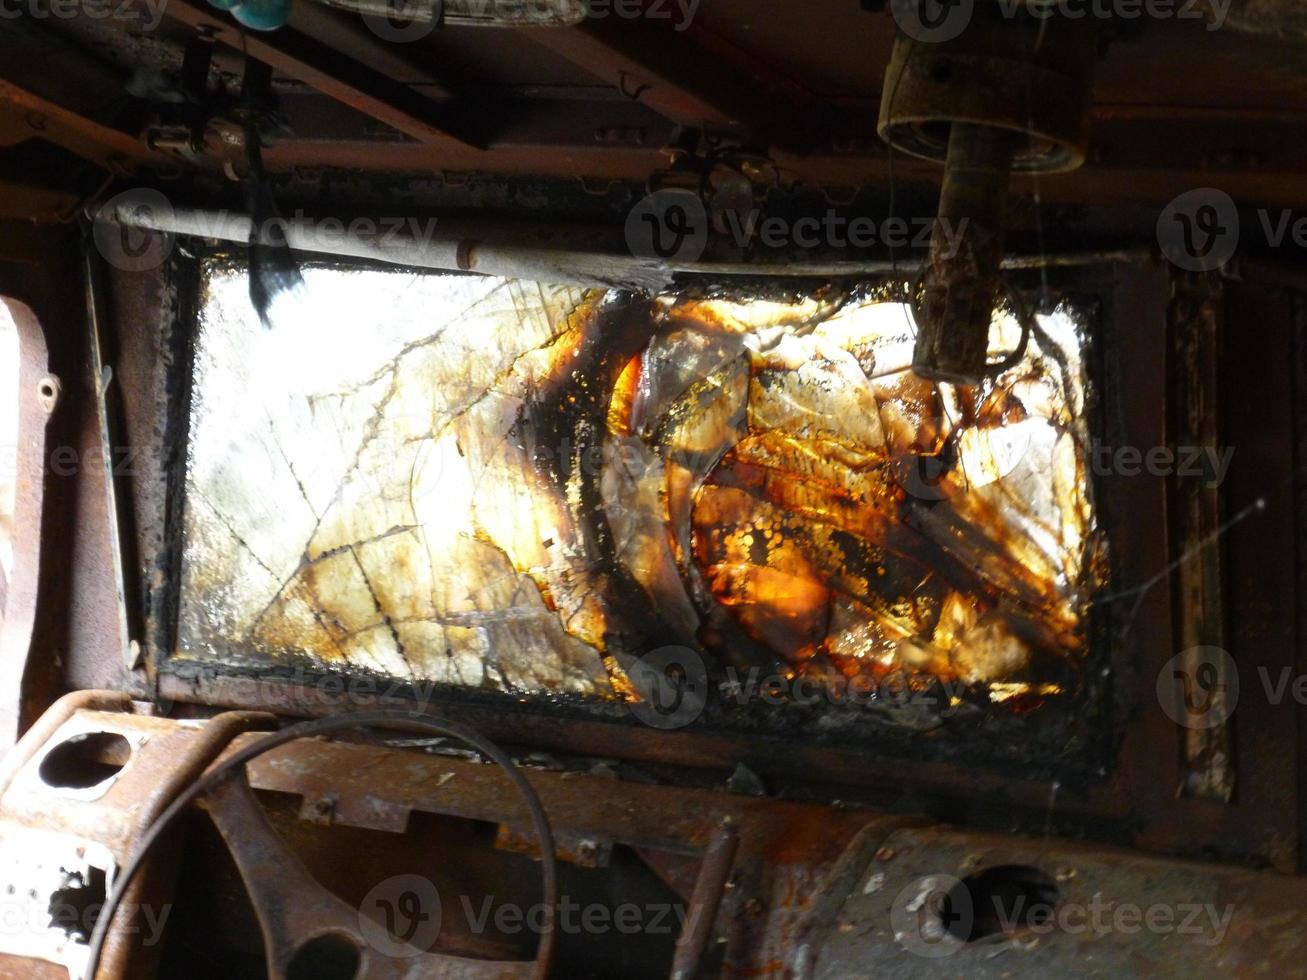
47 392
331 956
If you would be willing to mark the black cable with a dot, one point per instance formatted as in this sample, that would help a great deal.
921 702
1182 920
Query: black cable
323 726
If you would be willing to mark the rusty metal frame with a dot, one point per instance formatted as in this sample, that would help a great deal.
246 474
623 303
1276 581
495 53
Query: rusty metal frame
744 867
1129 799
20 600
1197 331
164 759
75 131
118 515
771 887
914 862
1300 507
291 906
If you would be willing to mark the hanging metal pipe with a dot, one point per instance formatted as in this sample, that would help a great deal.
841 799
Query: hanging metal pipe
961 286
562 265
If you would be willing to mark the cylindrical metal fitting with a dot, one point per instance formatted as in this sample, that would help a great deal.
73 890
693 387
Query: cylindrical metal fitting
961 285
1009 70
1010 92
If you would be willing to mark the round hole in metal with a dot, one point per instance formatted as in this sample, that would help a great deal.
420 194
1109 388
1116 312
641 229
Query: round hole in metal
330 956
1001 900
85 760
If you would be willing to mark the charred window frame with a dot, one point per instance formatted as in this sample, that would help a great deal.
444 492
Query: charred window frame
161 558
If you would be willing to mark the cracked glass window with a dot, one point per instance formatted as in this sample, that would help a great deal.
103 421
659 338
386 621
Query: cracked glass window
523 488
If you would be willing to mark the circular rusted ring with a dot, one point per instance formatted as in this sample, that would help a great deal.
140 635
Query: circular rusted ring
928 87
387 720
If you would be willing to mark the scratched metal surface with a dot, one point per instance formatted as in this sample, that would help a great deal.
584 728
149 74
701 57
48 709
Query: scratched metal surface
1105 913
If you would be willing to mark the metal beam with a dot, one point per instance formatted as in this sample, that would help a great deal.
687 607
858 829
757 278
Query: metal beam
587 47
691 77
50 90
70 129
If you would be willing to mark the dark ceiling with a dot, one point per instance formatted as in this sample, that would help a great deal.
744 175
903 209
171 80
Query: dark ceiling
1177 103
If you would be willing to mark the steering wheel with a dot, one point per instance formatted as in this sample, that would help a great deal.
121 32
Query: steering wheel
300 919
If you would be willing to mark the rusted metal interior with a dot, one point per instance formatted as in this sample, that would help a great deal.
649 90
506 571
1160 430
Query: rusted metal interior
512 483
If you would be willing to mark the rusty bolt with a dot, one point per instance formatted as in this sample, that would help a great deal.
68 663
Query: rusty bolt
320 811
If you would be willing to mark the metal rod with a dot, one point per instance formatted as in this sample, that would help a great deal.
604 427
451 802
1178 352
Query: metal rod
567 266
115 515
709 887
961 286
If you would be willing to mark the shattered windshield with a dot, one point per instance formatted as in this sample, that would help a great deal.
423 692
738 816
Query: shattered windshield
524 488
